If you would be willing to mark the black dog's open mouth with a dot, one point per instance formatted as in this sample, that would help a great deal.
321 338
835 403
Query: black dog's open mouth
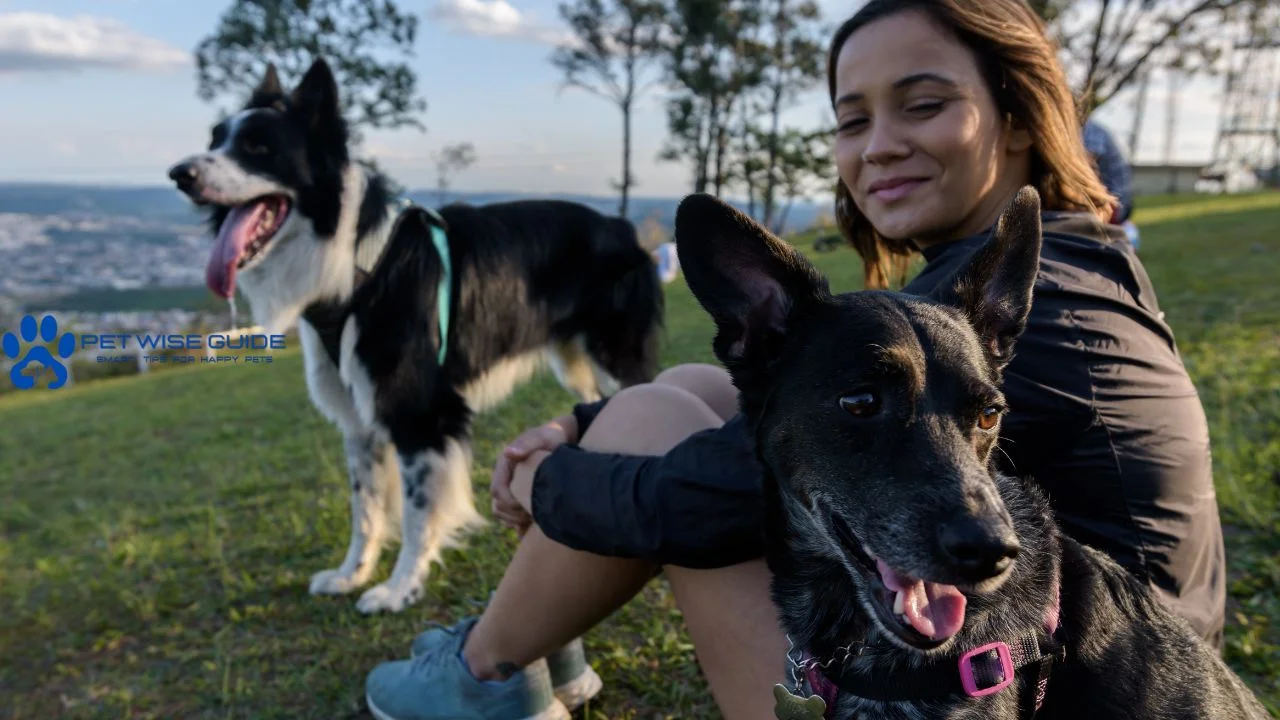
243 236
922 614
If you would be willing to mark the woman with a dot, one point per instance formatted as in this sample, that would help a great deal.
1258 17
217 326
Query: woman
945 108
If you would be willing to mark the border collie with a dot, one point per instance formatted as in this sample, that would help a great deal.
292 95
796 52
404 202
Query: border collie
411 320
914 580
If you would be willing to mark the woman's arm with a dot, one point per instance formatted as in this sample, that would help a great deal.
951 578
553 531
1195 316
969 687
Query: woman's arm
698 506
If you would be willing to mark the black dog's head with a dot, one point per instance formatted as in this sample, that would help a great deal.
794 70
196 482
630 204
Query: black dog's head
280 157
876 413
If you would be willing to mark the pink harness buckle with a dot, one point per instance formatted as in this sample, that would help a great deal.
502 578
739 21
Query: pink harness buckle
969 681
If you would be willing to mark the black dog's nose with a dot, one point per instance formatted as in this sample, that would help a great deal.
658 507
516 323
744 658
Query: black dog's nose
978 549
184 174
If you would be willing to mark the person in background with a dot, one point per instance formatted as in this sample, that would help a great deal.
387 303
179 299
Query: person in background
1115 173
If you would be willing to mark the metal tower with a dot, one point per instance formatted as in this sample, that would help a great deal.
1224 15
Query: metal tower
1249 128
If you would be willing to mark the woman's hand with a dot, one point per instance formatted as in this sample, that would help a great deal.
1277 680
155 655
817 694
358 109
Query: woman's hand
512 509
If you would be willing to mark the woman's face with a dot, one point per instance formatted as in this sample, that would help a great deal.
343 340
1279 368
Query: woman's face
919 142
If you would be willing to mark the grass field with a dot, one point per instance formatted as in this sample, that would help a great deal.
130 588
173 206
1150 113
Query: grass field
157 533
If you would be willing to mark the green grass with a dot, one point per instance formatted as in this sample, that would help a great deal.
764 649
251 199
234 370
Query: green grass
157 532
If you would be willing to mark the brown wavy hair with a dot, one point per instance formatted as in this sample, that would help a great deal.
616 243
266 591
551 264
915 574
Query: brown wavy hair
1020 66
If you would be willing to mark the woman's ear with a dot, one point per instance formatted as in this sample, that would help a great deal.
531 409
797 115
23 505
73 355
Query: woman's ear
1017 136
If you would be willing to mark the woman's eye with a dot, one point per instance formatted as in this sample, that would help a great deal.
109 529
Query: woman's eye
862 405
926 109
852 125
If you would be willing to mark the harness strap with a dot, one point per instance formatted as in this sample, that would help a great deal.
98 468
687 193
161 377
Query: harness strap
444 289
327 317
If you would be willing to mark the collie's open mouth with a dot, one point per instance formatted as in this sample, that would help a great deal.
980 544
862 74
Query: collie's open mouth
244 235
922 614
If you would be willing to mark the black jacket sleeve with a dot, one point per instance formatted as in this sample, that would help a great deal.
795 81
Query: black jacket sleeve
698 506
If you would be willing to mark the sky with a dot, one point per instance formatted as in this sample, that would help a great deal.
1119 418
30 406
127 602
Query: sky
104 92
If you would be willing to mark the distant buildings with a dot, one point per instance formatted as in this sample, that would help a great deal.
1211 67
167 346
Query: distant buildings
47 256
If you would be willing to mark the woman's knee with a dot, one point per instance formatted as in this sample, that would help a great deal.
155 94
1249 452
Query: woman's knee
709 383
648 419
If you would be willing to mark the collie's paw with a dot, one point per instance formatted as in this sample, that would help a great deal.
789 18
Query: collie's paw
389 597
337 582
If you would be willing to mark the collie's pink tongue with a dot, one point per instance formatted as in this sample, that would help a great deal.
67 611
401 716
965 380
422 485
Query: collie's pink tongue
935 611
233 237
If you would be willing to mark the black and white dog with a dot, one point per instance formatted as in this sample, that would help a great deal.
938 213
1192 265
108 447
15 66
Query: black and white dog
915 581
411 321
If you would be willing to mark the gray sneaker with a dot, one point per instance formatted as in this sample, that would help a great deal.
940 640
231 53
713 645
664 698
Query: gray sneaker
436 685
573 681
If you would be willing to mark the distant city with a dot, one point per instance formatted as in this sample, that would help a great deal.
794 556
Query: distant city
127 258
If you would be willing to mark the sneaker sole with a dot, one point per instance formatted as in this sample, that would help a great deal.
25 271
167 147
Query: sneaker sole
557 711
575 693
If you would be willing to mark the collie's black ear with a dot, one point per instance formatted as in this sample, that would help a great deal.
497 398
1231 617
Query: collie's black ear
316 97
269 93
994 288
270 84
749 281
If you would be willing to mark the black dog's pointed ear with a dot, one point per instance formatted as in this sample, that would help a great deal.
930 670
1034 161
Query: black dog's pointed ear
994 289
749 281
316 97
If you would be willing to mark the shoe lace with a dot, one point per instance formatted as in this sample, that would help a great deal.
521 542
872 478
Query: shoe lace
436 654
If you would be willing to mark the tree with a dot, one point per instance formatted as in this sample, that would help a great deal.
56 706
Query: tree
450 160
715 59
804 166
1108 44
354 36
613 45
795 65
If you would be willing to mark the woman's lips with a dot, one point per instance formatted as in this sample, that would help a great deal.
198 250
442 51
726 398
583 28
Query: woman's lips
893 190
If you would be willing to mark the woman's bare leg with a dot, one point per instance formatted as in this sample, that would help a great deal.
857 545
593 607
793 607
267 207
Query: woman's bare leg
730 617
709 383
567 590
736 635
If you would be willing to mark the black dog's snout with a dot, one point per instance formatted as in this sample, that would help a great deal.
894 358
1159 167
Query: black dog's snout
978 549
185 175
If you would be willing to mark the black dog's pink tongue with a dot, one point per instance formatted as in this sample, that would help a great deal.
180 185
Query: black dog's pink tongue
233 237
936 611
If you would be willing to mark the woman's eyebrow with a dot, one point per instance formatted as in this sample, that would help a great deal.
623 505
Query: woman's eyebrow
899 84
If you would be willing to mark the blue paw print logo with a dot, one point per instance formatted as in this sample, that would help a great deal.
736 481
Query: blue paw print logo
48 330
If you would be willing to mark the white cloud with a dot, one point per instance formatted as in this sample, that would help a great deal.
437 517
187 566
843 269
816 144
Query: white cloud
495 18
39 42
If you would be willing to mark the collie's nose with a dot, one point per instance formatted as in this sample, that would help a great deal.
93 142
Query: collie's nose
184 174
976 548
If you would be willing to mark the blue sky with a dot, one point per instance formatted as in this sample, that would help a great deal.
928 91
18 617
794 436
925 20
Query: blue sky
103 91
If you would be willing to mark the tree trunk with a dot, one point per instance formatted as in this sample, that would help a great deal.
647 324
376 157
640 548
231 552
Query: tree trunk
700 159
782 220
625 185
775 111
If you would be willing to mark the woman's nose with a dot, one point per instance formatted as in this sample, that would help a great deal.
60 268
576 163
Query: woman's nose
884 144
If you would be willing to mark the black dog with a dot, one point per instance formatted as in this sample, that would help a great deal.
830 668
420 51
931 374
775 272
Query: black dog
913 580
411 321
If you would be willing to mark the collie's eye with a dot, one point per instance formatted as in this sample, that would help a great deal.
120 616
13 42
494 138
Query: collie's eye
988 418
255 148
863 404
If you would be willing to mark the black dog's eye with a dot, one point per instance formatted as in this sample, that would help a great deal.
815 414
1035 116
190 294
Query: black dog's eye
254 148
863 404
989 416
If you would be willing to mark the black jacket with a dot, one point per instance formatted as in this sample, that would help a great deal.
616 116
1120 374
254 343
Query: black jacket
1102 414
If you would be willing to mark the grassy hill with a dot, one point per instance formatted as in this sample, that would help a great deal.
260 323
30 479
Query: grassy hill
157 532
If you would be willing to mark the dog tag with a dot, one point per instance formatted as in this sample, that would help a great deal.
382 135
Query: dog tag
788 706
